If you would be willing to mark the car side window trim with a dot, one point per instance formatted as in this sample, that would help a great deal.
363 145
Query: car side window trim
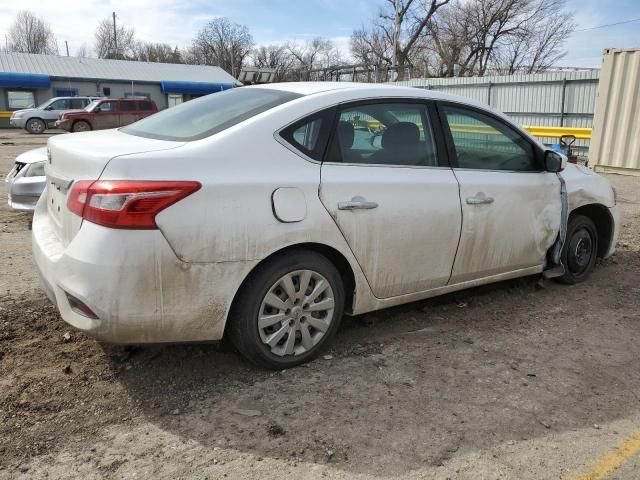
327 116
430 115
450 145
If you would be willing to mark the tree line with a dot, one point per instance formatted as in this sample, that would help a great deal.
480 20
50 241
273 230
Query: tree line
433 38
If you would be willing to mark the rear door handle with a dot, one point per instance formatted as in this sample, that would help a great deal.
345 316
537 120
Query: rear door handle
479 199
357 203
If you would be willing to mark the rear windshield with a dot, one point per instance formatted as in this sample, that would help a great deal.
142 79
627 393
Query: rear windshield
208 115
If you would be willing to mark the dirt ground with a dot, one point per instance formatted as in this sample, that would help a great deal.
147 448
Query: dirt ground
507 381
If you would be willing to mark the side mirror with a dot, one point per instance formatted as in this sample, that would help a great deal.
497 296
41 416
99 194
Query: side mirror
554 162
48 108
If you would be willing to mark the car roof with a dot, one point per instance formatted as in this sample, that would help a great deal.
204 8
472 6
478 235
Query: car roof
381 89
377 90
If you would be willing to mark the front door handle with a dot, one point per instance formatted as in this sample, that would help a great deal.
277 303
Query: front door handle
357 203
479 199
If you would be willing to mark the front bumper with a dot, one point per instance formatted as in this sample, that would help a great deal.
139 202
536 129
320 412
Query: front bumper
17 122
63 124
616 215
139 290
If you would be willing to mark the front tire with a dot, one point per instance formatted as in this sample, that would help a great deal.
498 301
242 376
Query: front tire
580 250
81 126
35 125
288 310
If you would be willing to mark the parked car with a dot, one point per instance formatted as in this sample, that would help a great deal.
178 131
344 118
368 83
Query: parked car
26 180
107 113
251 214
38 119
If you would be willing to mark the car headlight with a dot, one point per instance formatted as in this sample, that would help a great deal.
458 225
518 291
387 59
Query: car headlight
35 170
17 115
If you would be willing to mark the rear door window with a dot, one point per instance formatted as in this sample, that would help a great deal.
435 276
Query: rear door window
77 103
385 133
126 106
145 106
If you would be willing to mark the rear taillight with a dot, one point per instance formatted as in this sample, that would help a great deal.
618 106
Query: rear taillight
126 203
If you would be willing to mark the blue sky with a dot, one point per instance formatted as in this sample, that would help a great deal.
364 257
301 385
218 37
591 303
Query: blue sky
276 21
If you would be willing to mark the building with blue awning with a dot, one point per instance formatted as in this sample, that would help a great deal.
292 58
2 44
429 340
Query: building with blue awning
29 79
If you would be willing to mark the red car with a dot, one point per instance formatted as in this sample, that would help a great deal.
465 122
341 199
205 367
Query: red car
106 113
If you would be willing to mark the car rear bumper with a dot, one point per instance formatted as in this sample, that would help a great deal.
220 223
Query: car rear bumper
23 193
134 283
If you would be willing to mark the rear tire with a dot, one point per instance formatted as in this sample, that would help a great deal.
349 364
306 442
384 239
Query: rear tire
288 310
81 126
580 250
35 126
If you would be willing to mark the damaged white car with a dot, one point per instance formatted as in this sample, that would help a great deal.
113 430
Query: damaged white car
263 214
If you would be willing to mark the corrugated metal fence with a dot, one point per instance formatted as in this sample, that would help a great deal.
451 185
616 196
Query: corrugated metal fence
558 99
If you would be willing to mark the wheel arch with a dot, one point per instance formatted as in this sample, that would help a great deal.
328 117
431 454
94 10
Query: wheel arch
601 217
332 254
35 118
82 120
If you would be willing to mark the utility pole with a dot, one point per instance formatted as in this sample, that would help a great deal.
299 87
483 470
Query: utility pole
66 44
396 32
115 37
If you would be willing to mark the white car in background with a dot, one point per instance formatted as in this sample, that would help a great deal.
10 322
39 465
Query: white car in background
264 213
26 181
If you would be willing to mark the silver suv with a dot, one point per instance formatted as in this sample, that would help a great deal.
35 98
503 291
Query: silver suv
37 120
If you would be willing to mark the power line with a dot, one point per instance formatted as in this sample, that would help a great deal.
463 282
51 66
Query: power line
607 25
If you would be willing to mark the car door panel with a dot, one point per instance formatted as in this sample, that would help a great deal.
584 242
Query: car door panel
396 205
104 119
512 231
408 242
511 209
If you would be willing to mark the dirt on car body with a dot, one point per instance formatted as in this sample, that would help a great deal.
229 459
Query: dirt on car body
514 380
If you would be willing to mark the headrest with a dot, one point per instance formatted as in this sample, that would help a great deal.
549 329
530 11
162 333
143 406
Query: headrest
400 134
345 134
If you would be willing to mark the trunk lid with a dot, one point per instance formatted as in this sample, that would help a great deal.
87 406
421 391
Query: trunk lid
83 156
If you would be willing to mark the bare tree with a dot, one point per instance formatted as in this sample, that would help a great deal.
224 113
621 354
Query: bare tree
276 57
30 34
105 41
395 35
314 54
223 44
505 36
157 53
83 51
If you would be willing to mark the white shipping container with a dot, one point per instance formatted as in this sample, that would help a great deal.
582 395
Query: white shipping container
615 142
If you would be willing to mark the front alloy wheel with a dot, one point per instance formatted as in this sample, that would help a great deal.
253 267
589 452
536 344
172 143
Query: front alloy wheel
35 125
287 310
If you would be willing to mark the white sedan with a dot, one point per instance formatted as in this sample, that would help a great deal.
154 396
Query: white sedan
263 214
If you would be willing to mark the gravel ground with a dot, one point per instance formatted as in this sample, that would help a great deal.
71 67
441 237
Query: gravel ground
511 380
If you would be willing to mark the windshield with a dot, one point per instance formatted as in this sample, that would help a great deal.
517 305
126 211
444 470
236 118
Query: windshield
91 106
42 106
208 115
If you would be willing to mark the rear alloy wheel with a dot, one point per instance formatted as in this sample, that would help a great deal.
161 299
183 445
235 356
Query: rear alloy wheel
81 126
580 249
288 310
35 125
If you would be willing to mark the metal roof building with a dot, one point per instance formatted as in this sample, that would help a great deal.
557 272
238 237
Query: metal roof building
30 79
